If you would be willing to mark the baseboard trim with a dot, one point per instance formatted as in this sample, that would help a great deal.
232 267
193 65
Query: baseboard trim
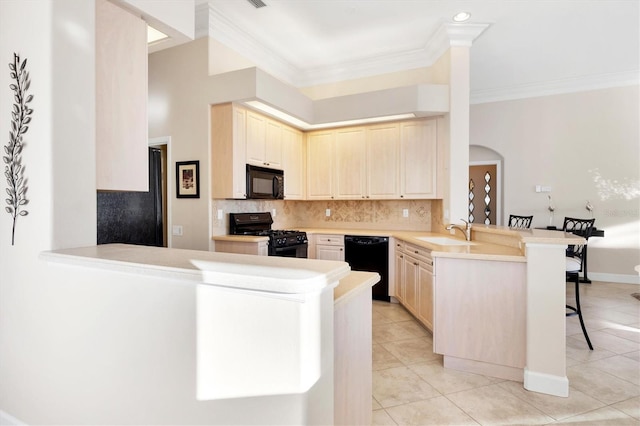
546 383
8 420
614 278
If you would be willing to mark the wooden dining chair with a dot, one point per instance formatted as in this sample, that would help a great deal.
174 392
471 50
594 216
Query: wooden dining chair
516 221
575 260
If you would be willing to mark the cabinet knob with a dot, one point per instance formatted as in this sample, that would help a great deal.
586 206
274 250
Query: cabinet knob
416 252
415 263
340 249
402 196
367 196
401 257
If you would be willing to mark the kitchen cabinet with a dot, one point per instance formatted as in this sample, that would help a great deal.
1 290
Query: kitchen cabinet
414 281
264 141
122 144
259 248
293 150
350 164
228 151
320 163
329 247
383 161
418 159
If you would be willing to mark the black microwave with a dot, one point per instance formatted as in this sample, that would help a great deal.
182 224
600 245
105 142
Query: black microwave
264 183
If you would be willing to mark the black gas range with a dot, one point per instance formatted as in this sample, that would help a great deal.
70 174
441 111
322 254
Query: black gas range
283 243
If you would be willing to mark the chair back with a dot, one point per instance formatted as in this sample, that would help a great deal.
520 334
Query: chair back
516 221
581 227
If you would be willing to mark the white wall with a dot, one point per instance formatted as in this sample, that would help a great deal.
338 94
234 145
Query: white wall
57 38
586 147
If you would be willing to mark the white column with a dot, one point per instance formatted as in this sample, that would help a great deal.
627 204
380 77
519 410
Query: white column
545 369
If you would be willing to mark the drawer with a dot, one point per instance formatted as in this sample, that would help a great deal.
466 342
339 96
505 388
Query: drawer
399 246
330 240
421 253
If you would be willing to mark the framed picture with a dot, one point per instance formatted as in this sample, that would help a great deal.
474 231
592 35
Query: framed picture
188 179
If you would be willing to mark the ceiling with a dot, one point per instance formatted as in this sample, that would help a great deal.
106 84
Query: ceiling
529 47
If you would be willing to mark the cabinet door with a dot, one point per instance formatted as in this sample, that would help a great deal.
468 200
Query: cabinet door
399 277
293 163
320 165
256 139
330 252
425 294
411 283
418 159
350 163
228 145
273 144
383 161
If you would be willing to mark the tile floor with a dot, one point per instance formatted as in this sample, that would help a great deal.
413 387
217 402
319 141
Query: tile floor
411 387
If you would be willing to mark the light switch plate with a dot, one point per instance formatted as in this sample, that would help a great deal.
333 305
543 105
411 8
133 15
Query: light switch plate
273 212
220 214
327 212
405 212
177 229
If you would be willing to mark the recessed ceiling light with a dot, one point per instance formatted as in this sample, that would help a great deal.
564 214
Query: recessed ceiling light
461 16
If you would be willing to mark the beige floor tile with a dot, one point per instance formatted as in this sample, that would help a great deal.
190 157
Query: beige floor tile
383 359
630 407
625 332
375 405
412 351
600 385
393 332
553 406
381 418
605 416
612 314
493 405
433 411
612 343
619 366
447 381
633 355
396 386
378 318
577 349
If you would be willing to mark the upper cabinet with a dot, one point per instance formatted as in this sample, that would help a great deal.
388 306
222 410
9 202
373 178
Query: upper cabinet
264 141
418 159
228 151
293 150
239 137
383 161
122 159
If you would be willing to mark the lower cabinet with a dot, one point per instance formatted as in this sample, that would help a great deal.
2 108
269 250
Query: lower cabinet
414 281
329 247
260 248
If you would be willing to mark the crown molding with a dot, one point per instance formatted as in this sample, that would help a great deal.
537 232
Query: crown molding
556 87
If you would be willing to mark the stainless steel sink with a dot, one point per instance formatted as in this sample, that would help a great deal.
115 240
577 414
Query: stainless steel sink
446 241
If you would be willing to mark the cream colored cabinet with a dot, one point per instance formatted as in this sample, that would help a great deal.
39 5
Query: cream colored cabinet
425 293
418 161
259 248
264 141
350 164
228 151
122 144
293 163
383 161
398 275
329 247
320 163
414 281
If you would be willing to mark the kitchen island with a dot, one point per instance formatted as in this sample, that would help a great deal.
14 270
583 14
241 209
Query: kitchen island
244 339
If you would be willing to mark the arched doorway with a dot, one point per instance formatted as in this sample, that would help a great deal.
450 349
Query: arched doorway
485 186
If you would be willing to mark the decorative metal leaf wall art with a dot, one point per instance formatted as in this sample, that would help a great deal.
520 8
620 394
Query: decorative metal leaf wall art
20 118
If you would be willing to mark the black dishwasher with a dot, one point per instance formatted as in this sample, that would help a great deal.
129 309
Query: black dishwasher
370 254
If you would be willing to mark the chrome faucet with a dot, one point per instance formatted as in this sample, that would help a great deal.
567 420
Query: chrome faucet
466 229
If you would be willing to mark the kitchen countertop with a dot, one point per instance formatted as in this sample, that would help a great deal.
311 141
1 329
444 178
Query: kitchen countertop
179 264
480 250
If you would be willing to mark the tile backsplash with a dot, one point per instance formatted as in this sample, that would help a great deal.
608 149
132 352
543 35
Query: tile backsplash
423 215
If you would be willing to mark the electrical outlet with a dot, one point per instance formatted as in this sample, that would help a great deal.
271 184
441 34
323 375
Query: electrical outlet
327 212
273 212
177 229
405 212
220 214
